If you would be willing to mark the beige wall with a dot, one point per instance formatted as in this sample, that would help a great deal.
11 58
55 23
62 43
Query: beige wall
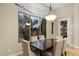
76 25
71 14
9 29
49 28
67 13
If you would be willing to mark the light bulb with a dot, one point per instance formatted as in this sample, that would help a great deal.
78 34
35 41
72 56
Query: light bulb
50 17
28 24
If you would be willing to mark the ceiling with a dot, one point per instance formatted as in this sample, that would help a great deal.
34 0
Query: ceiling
57 6
43 8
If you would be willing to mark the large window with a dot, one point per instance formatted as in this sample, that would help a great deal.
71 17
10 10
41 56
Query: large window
28 26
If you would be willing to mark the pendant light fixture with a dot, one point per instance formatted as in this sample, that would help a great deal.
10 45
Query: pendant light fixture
50 16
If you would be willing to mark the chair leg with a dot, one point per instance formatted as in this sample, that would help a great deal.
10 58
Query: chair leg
62 55
65 53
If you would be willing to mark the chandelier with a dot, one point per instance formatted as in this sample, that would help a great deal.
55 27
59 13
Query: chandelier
50 16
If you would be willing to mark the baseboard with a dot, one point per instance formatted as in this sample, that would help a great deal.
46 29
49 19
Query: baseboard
16 54
74 46
71 45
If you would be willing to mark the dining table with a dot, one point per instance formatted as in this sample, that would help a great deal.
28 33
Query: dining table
41 46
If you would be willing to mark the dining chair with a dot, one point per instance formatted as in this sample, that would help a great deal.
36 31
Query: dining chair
64 47
26 48
34 38
57 49
41 37
49 43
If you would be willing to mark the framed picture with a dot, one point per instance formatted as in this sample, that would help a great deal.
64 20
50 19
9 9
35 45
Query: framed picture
63 29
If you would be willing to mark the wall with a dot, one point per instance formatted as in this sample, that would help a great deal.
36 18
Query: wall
66 13
76 25
71 14
49 28
9 29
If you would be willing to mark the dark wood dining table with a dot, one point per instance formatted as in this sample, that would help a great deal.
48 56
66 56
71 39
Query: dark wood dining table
42 45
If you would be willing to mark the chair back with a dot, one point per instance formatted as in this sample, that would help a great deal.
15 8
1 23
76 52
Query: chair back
26 48
57 50
34 38
64 47
41 37
48 43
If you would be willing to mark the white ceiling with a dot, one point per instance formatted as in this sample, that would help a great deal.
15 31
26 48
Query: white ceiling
57 6
54 5
43 8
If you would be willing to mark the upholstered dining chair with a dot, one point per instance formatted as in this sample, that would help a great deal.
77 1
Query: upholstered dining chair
64 47
41 37
49 43
34 38
26 48
57 50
